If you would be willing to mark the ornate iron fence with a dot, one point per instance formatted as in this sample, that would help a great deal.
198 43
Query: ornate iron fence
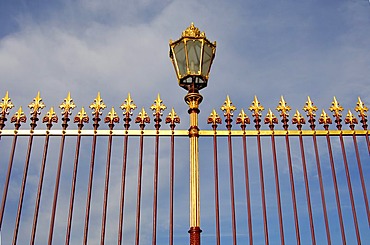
268 185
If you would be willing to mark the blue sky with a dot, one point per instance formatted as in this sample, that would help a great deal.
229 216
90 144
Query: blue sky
265 48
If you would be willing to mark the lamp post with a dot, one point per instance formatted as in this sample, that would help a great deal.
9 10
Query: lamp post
192 56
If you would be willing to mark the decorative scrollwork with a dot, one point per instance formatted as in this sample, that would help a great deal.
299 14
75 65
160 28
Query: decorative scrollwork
310 108
142 118
337 109
128 105
256 108
98 105
193 31
362 109
81 118
68 105
243 119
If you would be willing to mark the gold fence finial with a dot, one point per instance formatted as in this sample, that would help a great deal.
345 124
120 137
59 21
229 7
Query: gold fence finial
158 106
6 104
214 118
228 108
298 119
271 119
98 105
36 105
111 118
128 105
325 119
337 109
81 118
256 108
362 109
50 118
243 119
172 119
142 118
351 120
310 108
284 108
18 117
67 105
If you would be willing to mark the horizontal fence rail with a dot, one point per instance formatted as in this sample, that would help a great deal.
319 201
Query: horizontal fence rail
130 186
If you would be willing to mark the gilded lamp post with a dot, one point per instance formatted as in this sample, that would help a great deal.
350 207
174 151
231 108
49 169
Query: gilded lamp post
192 56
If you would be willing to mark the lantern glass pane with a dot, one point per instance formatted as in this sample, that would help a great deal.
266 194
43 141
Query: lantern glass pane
207 58
180 58
194 49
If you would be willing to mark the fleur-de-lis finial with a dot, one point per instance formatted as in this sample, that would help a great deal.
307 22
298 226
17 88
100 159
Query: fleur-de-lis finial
111 118
50 118
172 119
128 105
337 109
81 118
243 119
351 120
97 106
228 108
6 104
325 119
214 119
68 105
362 109
271 119
298 119
256 108
283 108
142 118
36 105
18 117
158 106
310 108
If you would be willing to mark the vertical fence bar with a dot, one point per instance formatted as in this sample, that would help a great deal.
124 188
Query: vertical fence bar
18 118
283 108
96 107
142 119
228 109
172 119
324 119
299 120
49 118
127 106
111 119
337 109
271 120
56 190
35 107
157 107
80 119
257 108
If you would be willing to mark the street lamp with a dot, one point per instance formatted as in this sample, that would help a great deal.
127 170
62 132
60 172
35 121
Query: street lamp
192 56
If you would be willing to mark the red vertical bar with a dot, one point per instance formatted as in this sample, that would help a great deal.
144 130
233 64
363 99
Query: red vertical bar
138 200
172 173
247 191
123 181
39 189
339 209
232 195
262 184
322 192
359 165
155 191
73 189
305 175
277 187
291 177
56 190
349 185
23 186
215 166
106 188
6 186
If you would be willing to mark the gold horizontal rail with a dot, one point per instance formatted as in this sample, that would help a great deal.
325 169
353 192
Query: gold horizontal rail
147 132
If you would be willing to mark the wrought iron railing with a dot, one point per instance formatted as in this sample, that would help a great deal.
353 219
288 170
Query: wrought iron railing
256 197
